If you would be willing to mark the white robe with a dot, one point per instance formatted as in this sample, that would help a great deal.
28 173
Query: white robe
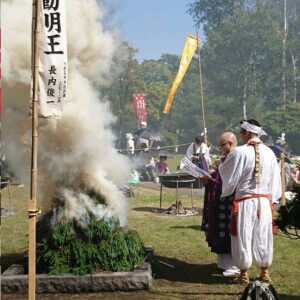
130 146
204 150
253 234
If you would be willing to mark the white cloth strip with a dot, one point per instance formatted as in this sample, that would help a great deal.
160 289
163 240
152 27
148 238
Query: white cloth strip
253 128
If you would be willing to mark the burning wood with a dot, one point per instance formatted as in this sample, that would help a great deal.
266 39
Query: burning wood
173 208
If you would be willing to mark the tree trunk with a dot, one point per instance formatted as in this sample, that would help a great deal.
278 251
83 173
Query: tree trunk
284 56
254 73
120 132
295 77
245 99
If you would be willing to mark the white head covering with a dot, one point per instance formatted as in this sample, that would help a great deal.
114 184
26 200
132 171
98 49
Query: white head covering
253 128
129 136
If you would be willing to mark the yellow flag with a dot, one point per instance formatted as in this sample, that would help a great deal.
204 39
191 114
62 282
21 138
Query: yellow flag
187 54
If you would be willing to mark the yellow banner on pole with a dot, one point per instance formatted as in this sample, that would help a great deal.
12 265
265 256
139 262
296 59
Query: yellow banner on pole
187 54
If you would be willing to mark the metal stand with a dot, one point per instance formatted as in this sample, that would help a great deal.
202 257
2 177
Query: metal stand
177 187
160 195
192 196
177 196
9 198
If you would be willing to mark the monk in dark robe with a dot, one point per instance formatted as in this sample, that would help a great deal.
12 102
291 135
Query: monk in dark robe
217 211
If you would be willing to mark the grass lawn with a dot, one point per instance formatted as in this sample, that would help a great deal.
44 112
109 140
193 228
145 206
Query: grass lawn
184 267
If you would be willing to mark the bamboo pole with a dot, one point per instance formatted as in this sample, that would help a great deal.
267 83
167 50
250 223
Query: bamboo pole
282 156
32 209
201 88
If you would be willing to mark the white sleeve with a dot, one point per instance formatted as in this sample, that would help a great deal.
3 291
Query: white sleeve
231 171
275 183
206 154
190 152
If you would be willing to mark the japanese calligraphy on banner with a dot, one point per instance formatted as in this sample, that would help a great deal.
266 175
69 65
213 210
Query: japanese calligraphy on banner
187 55
140 109
52 59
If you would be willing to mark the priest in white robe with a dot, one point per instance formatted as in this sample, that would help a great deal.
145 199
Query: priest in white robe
198 153
198 148
252 172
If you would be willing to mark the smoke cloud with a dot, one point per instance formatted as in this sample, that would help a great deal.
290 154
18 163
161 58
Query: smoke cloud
75 153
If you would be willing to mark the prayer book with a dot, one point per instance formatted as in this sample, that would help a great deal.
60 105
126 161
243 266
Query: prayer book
192 169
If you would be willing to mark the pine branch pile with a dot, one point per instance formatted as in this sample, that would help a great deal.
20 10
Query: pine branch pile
72 249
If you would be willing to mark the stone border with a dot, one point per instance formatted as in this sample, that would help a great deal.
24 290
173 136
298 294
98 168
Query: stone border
138 279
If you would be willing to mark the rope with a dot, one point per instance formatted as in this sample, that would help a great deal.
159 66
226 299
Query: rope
33 213
163 147
172 146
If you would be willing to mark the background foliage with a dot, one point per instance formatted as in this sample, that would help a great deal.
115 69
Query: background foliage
246 72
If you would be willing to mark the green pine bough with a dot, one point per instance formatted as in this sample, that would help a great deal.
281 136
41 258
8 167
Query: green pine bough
73 249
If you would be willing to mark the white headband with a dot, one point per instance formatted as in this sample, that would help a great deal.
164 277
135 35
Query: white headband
253 128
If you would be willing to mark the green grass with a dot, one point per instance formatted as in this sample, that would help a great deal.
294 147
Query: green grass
14 234
179 242
184 267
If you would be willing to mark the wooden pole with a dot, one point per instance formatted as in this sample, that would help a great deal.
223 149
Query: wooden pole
282 156
32 209
201 88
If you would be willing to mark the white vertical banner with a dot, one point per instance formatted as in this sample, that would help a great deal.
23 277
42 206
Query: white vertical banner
53 62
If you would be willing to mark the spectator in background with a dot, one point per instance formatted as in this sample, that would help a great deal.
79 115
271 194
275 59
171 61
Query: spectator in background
146 162
129 144
270 141
287 176
292 182
298 173
198 153
161 167
140 139
295 175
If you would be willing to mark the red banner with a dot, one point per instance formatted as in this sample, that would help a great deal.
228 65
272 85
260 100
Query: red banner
0 72
140 109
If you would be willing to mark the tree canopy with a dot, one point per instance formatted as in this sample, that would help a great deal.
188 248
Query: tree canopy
250 68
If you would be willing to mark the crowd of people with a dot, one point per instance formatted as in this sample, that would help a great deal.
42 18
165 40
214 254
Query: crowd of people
139 149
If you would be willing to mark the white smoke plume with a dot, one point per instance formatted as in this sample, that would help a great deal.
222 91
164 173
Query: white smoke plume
77 150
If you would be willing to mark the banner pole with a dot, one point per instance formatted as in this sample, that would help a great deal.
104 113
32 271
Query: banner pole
32 209
201 88
282 156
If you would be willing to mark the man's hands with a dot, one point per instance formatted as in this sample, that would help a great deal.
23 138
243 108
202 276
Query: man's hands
204 179
217 162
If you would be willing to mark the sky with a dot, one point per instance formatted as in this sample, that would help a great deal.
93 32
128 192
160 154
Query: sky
154 27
